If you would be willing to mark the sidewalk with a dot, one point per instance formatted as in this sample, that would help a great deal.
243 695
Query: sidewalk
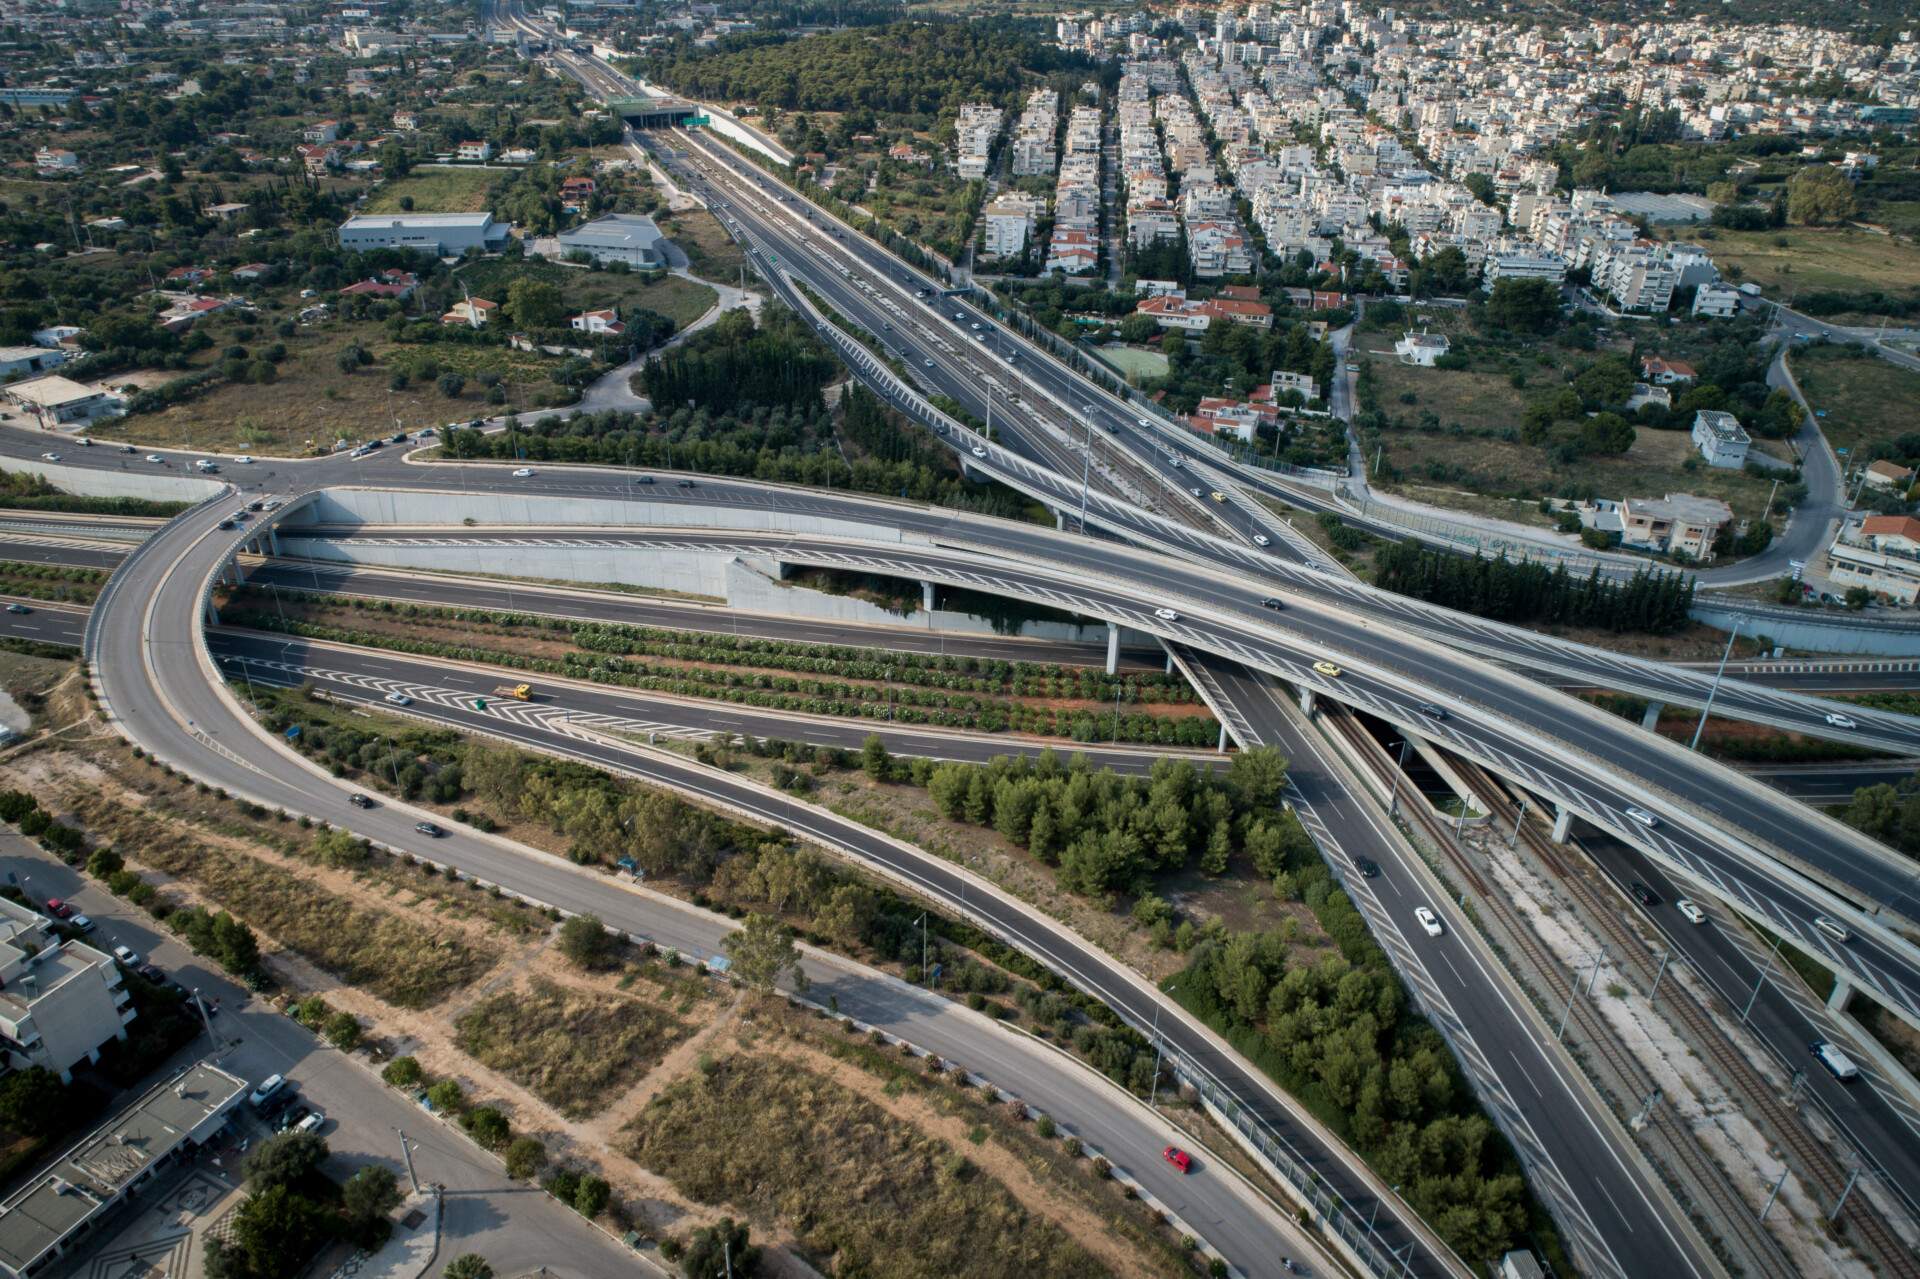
410 1251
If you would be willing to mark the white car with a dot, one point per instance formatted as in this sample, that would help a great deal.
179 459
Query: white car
127 955
1841 721
1429 921
51 457
1143 423
1260 539
155 457
978 451
1642 816
243 459
1166 614
1691 910
311 1123
1173 461
399 699
525 472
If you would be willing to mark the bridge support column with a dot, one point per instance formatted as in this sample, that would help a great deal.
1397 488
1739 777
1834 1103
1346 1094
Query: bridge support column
233 567
213 614
273 540
1060 521
926 596
1842 993
1306 702
1113 648
1222 747
1562 825
1652 717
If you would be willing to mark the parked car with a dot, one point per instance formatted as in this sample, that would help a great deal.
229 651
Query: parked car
152 974
127 955
293 1115
59 909
81 924
269 1088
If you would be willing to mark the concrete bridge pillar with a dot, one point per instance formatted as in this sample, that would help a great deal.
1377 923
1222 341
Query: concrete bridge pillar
273 540
1562 824
233 567
1060 521
1306 702
1222 747
1113 648
1842 993
1652 717
213 614
926 596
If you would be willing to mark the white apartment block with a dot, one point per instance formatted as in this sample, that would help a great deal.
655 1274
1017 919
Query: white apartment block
60 1002
1009 220
974 134
1034 133
1518 260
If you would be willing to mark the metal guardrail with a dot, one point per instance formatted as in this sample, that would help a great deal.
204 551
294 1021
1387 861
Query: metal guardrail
1329 1208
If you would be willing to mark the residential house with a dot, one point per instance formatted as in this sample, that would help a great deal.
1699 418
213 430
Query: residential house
1666 372
1889 477
229 210
474 152
472 312
325 131
317 158
52 161
1720 438
64 337
189 275
575 192
904 153
251 271
1644 394
1421 349
1284 382
607 322
1677 522
1072 252
406 121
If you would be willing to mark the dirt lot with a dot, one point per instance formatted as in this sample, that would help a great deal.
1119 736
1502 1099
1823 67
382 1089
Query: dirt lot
711 252
436 191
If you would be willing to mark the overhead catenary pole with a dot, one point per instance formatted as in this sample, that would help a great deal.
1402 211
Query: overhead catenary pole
1706 710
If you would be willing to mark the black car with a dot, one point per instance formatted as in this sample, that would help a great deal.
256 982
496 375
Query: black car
359 801
275 1104
399 438
228 524
1431 711
428 829
1272 603
152 974
644 479
1367 867
686 484
293 1115
1644 895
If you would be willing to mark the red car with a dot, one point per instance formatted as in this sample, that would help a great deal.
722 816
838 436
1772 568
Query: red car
1177 1157
59 909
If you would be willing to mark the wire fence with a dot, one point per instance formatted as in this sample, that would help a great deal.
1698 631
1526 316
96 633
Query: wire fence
1333 1212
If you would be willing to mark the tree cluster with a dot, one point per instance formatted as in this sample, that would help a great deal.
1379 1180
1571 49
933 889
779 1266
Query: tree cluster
1509 591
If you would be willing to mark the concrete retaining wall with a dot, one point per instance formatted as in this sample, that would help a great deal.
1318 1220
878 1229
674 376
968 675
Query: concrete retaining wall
1815 635
453 508
158 484
744 582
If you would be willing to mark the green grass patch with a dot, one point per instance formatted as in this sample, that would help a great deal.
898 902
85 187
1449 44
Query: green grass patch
1866 401
436 191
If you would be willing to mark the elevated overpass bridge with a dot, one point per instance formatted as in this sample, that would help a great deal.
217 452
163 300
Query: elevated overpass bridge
645 111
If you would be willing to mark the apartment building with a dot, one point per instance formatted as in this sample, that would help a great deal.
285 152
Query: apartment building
1677 522
1009 220
1034 134
1720 438
1880 553
60 1001
974 135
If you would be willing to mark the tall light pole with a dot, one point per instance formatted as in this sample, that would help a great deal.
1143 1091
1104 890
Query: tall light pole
1159 1047
1086 473
1706 710
406 1153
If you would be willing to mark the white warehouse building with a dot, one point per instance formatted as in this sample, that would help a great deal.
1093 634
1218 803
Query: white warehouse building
441 234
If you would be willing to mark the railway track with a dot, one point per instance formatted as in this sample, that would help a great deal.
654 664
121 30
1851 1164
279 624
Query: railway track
1808 1156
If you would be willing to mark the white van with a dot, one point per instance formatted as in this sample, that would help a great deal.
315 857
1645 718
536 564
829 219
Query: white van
1831 928
265 1092
1836 1061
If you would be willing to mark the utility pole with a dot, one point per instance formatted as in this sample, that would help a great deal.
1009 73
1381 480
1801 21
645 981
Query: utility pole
1086 473
406 1153
1758 983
